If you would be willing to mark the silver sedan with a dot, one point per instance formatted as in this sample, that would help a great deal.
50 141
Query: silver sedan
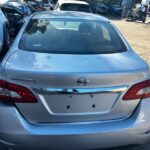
71 81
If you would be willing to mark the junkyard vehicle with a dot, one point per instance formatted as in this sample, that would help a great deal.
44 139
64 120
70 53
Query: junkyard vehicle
70 5
37 5
136 14
71 80
116 10
14 5
48 4
18 5
4 34
15 18
101 8
105 7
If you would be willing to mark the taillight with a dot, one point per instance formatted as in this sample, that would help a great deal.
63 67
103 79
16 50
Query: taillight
15 93
138 91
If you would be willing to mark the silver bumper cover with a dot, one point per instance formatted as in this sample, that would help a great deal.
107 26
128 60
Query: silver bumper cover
16 132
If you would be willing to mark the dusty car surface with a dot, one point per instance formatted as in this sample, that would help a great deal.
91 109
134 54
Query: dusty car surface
70 79
71 5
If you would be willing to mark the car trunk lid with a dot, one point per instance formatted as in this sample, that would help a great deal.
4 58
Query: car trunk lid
75 88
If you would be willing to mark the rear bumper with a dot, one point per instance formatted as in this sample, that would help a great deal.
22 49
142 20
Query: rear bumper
16 132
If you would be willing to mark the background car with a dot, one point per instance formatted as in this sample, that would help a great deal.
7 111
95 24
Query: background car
48 4
36 4
101 8
116 10
4 36
15 18
26 9
110 7
69 5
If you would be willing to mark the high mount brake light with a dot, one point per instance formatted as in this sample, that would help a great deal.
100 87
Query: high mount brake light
15 93
138 91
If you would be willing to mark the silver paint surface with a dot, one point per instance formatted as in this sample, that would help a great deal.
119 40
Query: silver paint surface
71 119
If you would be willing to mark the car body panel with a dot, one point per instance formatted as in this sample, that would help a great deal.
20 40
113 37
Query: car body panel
42 71
17 133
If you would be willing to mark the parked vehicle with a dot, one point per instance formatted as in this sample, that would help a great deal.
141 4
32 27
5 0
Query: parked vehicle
24 8
116 10
37 5
136 14
71 78
48 4
15 18
6 1
70 5
4 34
101 8
108 7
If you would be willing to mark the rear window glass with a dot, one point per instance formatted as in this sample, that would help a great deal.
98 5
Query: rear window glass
75 7
71 37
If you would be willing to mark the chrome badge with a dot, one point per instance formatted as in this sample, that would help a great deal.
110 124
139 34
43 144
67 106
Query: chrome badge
82 81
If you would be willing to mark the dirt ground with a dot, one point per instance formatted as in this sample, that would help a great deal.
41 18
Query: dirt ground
138 35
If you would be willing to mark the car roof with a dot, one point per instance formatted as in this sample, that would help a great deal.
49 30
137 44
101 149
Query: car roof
72 2
67 15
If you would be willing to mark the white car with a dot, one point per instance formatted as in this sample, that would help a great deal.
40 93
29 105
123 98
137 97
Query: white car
4 36
71 5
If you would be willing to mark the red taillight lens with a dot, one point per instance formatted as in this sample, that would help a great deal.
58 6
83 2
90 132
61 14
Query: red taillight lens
138 91
15 93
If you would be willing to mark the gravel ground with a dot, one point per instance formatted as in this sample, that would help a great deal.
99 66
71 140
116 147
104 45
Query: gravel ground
138 35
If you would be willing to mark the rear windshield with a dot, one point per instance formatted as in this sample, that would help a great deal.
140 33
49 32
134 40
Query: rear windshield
71 37
75 7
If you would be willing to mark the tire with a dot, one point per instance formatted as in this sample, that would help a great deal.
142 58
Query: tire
143 19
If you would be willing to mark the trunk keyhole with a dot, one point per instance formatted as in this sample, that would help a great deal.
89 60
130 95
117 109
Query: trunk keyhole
68 106
93 105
